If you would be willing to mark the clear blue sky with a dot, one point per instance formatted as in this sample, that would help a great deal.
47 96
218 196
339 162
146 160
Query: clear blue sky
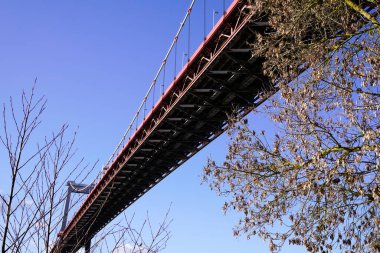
94 61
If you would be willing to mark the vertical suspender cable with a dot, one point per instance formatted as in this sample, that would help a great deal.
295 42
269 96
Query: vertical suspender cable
175 57
137 119
188 37
204 19
145 108
163 79
153 93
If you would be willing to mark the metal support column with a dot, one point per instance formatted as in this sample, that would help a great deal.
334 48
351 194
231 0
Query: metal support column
66 211
76 188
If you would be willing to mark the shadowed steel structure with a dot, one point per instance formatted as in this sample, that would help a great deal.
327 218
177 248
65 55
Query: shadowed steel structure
221 78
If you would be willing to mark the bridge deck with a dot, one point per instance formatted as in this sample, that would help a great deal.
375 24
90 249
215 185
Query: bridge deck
220 78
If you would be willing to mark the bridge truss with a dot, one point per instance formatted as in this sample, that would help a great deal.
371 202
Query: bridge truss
221 78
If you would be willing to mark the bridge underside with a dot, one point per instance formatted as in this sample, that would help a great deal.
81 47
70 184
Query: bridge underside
222 78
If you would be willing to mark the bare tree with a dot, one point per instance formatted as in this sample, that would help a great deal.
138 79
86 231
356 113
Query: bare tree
316 182
27 206
127 237
33 187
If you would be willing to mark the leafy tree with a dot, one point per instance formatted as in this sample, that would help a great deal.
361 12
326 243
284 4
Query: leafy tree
316 182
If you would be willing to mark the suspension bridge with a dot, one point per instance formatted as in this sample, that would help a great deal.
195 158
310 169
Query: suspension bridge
220 78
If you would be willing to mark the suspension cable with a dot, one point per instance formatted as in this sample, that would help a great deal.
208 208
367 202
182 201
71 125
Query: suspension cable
174 42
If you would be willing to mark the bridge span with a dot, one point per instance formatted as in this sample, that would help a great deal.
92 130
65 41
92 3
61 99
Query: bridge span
220 78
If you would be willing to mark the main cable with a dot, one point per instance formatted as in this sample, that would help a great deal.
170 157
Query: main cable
174 42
